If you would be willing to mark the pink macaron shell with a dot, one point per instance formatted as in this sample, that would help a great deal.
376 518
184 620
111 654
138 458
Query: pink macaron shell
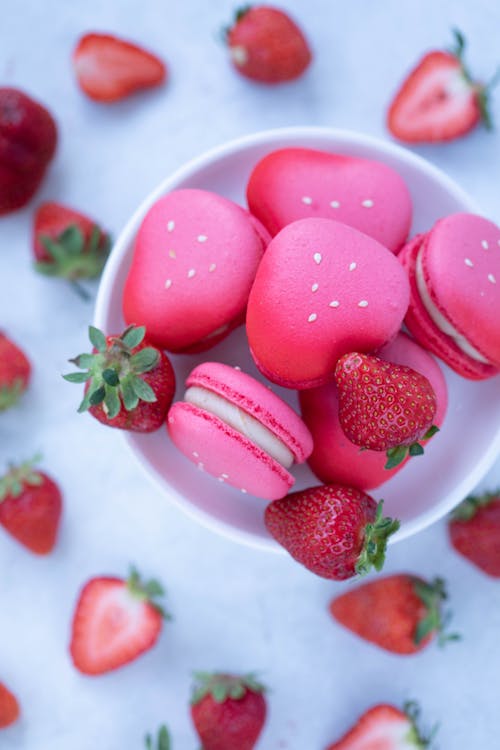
258 401
297 183
225 453
195 258
425 331
322 289
335 458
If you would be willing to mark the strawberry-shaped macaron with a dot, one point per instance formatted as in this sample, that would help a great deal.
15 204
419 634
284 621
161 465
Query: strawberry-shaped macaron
68 244
108 68
266 45
9 707
228 711
454 273
322 290
115 621
385 727
15 372
30 507
301 183
334 531
28 139
400 613
195 258
384 406
128 383
474 530
439 100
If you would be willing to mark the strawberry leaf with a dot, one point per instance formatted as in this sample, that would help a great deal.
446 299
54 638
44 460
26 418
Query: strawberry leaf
130 398
110 376
133 336
144 360
472 504
97 396
142 390
111 402
395 456
223 686
431 432
77 377
162 740
97 339
415 449
375 542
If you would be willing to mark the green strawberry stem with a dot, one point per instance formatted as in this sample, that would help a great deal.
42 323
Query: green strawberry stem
162 740
416 736
375 542
472 504
13 482
397 455
482 91
148 591
432 596
223 686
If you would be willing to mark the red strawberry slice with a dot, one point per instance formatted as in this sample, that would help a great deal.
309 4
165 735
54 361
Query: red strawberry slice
109 69
439 101
385 727
9 707
474 531
114 622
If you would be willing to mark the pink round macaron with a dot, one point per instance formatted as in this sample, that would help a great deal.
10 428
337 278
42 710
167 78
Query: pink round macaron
454 273
334 458
237 430
300 183
195 258
322 290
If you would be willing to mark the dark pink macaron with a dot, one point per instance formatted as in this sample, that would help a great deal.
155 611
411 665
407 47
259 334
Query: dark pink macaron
334 458
322 290
234 428
454 273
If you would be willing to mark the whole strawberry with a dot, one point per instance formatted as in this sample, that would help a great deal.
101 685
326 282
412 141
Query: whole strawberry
474 531
28 139
334 531
9 707
385 727
267 46
162 740
439 100
115 621
400 613
15 372
128 383
228 711
384 406
30 507
68 244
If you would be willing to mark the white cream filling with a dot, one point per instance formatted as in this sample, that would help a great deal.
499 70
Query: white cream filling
442 323
240 421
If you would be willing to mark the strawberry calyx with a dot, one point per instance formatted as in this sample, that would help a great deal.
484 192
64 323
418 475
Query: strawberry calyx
222 687
472 504
482 91
377 533
146 591
238 15
162 740
73 257
432 596
416 736
14 481
10 394
397 455
113 371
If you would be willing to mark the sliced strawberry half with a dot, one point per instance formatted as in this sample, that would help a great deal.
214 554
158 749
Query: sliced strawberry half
385 727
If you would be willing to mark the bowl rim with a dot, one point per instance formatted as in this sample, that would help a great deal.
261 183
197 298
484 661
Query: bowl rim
269 137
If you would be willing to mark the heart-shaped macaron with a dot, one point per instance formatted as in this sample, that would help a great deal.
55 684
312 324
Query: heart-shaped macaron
322 290
299 183
454 273
195 258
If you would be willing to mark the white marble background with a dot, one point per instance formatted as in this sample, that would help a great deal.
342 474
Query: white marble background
234 608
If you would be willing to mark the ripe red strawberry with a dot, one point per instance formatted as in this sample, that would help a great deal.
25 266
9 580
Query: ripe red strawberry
228 711
474 531
129 384
115 621
267 46
30 507
68 244
28 138
162 740
109 69
439 100
334 531
9 707
400 613
15 372
384 407
385 727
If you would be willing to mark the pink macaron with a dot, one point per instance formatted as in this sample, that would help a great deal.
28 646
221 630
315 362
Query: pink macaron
334 458
237 430
454 273
300 183
195 258
322 290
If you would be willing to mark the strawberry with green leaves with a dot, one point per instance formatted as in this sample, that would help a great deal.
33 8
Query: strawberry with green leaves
128 383
228 711
15 372
30 507
474 530
160 742
384 406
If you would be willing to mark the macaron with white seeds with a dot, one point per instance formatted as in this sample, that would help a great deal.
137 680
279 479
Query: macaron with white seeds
195 258
454 273
236 429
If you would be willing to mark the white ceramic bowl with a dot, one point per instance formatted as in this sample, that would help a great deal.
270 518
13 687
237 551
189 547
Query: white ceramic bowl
423 491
